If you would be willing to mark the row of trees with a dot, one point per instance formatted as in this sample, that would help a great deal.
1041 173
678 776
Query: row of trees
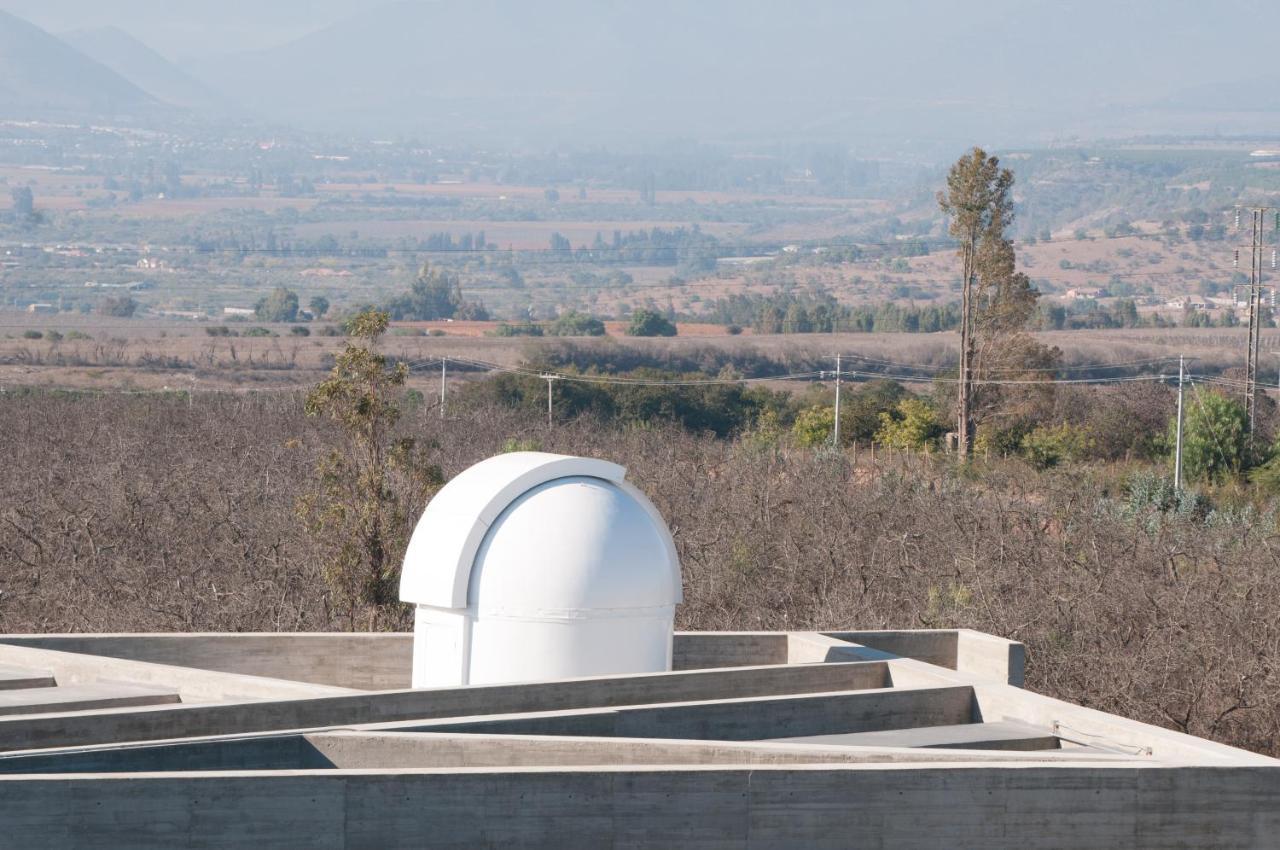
283 305
435 294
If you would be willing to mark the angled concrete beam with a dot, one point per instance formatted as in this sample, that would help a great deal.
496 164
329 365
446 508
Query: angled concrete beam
23 677
748 719
392 706
193 685
93 697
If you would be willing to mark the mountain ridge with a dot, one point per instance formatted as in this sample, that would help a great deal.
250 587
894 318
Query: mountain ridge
146 68
41 74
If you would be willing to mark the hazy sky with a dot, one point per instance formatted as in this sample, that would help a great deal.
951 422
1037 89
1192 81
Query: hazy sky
1152 28
1007 69
182 28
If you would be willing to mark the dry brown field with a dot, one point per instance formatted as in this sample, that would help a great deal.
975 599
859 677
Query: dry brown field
150 355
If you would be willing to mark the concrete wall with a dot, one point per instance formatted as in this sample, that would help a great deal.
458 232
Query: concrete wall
383 661
22 733
706 650
904 807
363 661
932 646
192 685
360 661
743 720
401 750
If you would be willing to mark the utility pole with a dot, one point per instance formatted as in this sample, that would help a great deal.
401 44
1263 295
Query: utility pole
1177 452
1257 242
837 425
444 374
550 379
966 352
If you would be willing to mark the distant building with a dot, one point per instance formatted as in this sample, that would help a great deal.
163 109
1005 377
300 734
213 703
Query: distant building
1085 294
239 311
323 272
737 262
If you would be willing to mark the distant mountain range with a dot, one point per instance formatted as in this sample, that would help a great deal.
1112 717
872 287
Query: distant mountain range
145 68
636 71
41 75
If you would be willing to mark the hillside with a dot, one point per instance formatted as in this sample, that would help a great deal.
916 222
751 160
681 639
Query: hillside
40 74
144 67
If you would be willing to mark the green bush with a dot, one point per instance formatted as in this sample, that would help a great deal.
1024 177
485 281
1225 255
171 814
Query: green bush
649 323
913 424
574 323
1214 436
1048 446
813 427
525 328
32 335
280 306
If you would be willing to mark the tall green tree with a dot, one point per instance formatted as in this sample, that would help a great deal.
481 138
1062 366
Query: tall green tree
1214 437
368 490
280 306
24 204
998 301
434 294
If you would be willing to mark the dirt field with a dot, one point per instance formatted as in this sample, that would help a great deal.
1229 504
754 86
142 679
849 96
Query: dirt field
149 355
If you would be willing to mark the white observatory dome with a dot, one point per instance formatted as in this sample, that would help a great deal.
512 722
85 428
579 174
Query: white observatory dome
532 566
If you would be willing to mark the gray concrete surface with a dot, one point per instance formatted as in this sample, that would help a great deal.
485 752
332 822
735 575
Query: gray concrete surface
631 761
24 677
752 719
296 714
379 661
821 806
45 700
194 685
1000 735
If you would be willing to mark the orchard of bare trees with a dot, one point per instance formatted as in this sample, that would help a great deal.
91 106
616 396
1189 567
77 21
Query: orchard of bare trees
140 512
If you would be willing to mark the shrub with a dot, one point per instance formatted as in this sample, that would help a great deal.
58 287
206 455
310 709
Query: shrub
649 323
119 306
1049 446
299 330
280 306
1214 434
574 323
813 427
913 424
525 328
32 335
860 411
